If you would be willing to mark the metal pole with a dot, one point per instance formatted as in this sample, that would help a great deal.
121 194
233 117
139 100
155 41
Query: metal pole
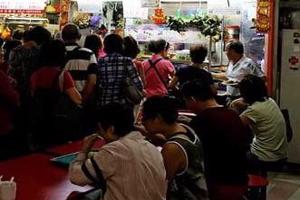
209 52
222 39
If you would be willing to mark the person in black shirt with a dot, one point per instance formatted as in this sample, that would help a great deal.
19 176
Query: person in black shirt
224 139
195 71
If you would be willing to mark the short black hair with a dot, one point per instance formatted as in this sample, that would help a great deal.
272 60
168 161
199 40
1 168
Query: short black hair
26 37
52 54
117 115
39 35
253 88
162 106
236 45
93 42
157 46
70 32
18 34
199 89
198 53
113 43
9 46
131 47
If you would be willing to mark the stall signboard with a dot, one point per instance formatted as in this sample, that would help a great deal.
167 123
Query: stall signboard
22 6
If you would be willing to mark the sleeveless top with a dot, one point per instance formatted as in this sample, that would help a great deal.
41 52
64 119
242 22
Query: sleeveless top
189 184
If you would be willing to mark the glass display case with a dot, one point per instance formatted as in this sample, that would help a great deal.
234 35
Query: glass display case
180 41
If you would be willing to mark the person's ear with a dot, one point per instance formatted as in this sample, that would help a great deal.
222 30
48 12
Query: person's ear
111 130
159 119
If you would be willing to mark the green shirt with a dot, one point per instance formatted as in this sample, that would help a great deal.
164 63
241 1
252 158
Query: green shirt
268 125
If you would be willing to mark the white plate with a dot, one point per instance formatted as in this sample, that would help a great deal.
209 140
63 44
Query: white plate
230 83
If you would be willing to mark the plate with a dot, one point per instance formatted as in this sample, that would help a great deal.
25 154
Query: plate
230 83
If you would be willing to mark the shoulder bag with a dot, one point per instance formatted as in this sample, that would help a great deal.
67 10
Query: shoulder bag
132 94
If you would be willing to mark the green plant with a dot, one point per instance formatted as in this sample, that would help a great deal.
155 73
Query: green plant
206 24
211 27
121 23
177 23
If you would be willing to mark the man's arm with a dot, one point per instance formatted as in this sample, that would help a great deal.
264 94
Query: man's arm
174 160
219 76
91 82
93 170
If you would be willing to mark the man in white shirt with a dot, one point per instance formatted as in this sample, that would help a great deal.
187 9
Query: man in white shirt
239 66
127 166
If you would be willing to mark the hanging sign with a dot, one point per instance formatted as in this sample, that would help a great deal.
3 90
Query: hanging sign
263 16
89 6
159 16
224 8
149 3
133 9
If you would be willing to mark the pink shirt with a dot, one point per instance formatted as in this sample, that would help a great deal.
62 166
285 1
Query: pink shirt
154 86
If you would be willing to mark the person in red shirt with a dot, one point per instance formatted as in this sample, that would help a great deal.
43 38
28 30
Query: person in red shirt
9 100
53 119
131 49
157 69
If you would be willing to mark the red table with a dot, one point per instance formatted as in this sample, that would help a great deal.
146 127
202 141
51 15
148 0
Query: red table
70 148
39 179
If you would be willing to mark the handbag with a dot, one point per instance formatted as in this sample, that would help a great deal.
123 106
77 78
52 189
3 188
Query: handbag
132 94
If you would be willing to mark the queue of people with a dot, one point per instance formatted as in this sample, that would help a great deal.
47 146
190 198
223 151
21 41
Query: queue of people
65 92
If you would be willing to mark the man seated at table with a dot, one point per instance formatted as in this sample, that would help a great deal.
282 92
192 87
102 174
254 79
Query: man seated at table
224 140
127 167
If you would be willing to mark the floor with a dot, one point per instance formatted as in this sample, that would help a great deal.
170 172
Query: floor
284 185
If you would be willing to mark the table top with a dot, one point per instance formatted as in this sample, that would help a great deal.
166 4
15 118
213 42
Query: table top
39 179
71 147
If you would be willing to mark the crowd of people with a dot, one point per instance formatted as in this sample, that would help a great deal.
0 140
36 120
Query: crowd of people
54 90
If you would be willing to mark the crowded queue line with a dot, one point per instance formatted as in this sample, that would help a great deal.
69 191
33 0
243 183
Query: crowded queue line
64 92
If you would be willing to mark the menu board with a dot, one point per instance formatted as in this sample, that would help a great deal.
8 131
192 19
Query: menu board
22 6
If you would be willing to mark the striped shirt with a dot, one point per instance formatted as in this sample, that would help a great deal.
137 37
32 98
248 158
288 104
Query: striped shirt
131 168
112 70
79 60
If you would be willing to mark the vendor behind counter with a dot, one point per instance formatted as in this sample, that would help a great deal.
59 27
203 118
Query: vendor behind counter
239 66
